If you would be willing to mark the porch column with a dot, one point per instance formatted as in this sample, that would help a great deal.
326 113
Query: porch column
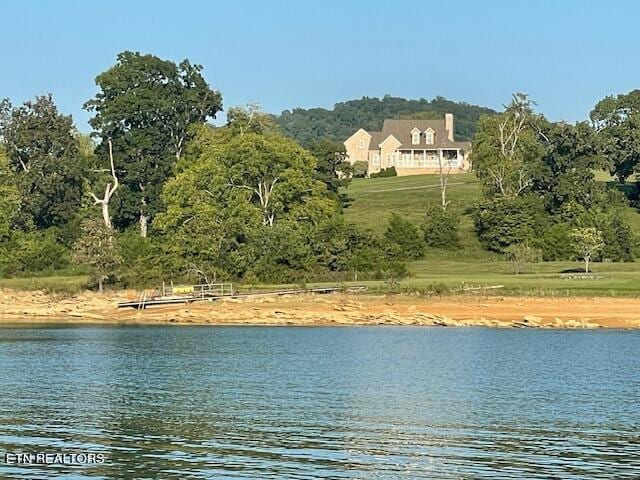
411 164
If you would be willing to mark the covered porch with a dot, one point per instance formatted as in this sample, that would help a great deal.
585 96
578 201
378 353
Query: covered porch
413 158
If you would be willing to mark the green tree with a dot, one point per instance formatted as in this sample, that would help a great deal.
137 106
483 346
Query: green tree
587 243
96 248
569 159
556 242
9 196
617 120
276 175
249 119
42 147
222 204
332 167
34 251
506 221
403 238
147 107
440 227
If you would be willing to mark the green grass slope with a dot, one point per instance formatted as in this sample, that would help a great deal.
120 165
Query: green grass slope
374 200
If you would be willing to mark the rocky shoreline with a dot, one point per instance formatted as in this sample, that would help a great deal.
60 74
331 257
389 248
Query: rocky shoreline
334 309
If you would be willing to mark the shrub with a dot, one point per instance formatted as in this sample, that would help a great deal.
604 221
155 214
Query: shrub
403 238
385 172
556 243
360 169
440 227
33 252
505 221
145 261
522 254
618 239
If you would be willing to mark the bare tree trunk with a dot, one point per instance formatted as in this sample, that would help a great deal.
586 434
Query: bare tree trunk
105 214
586 264
144 223
444 180
264 190
144 218
108 192
443 193
100 283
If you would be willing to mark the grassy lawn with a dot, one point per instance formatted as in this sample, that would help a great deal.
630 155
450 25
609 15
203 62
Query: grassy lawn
53 284
545 279
376 199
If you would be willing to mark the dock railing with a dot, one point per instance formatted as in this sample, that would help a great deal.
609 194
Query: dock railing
202 290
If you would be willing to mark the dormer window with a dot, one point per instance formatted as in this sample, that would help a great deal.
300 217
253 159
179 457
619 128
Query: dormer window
415 136
429 134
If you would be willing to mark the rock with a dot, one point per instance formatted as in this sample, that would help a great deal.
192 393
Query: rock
532 319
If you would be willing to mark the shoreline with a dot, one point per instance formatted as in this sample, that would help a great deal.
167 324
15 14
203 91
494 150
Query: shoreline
338 309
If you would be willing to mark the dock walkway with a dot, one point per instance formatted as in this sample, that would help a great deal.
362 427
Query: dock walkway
212 292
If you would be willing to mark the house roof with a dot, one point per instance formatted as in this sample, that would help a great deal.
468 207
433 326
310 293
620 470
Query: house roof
376 139
401 130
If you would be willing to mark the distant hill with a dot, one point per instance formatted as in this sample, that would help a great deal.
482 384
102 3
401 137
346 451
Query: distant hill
346 117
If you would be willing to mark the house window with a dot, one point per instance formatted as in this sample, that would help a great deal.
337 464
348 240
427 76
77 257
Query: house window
376 159
389 159
361 144
406 159
415 138
429 137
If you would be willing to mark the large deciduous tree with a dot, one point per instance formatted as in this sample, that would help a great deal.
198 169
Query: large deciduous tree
332 167
569 159
42 147
241 199
506 150
147 107
617 121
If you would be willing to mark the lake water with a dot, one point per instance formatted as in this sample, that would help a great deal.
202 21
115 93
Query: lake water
369 403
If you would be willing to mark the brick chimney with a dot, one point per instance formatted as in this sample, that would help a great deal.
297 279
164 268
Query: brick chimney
448 125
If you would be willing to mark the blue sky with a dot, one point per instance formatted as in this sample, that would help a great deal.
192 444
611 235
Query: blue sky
567 54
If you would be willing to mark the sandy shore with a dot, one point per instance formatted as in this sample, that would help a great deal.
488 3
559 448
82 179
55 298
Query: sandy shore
334 309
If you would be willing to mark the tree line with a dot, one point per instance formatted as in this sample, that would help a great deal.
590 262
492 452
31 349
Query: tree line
157 192
339 123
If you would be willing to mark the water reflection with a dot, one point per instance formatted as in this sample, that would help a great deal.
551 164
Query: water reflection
203 402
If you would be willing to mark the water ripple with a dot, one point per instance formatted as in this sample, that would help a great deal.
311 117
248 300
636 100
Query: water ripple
344 403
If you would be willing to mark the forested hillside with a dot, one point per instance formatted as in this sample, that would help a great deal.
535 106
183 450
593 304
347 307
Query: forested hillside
369 113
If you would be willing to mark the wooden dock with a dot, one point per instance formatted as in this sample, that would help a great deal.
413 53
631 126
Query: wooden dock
216 291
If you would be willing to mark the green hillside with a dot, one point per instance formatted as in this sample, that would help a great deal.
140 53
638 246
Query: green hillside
374 200
339 123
